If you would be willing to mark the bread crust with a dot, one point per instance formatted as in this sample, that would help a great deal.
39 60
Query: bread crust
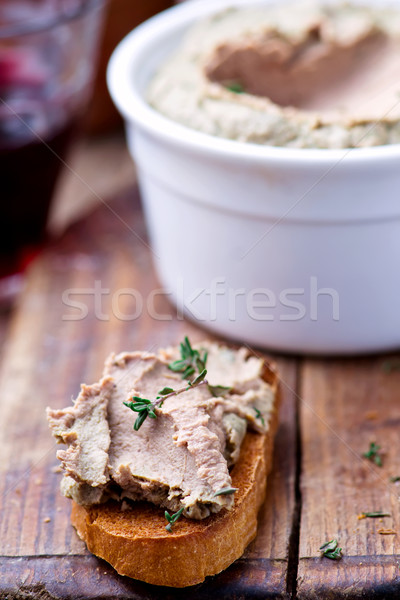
136 543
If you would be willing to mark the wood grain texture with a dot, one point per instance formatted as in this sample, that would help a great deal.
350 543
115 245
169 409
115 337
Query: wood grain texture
49 353
84 577
344 406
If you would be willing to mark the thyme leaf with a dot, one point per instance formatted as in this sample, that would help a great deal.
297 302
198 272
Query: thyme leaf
331 550
140 420
225 491
165 391
334 555
373 515
236 87
218 390
373 454
198 379
394 479
259 415
328 546
172 519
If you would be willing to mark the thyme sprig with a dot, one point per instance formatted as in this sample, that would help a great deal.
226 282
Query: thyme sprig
373 454
190 360
172 519
331 550
146 407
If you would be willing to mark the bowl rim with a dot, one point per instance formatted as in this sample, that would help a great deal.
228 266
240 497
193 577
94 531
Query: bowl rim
130 102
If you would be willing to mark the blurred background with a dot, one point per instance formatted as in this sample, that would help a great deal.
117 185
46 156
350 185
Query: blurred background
101 153
61 140
121 17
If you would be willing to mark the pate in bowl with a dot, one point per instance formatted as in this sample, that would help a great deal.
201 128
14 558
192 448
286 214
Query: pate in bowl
266 139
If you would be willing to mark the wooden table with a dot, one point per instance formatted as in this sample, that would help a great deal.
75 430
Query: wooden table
332 410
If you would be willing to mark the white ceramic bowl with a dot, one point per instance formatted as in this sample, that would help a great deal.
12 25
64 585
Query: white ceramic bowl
292 250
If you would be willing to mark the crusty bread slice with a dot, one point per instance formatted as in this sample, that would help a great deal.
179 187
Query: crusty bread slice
135 542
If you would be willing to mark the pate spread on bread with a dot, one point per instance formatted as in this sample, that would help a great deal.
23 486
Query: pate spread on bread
181 458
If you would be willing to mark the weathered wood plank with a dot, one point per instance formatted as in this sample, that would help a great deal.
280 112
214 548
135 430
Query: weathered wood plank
83 577
49 353
344 406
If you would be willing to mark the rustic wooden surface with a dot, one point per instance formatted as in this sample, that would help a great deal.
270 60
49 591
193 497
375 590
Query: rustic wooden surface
344 406
332 410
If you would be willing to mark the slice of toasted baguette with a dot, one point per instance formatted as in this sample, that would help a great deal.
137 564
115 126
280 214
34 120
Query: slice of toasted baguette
135 542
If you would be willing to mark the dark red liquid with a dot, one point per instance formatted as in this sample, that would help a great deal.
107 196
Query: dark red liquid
28 175
47 61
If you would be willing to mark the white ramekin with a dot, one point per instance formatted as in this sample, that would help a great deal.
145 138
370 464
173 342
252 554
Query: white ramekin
292 250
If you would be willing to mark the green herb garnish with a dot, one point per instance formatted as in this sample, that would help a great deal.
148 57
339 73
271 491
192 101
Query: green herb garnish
259 415
172 519
190 360
225 491
373 454
235 87
331 550
146 408
218 390
394 479
373 515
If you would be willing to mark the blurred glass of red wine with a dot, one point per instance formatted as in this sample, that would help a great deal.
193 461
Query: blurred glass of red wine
47 65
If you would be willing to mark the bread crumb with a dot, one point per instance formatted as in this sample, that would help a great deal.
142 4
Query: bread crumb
38 481
371 415
46 520
57 469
